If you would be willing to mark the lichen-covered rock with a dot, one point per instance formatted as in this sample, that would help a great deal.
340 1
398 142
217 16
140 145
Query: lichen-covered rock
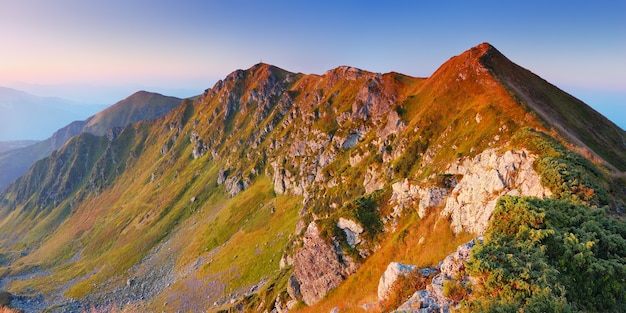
350 141
293 288
235 184
394 125
373 179
422 301
432 299
454 263
486 177
320 266
352 230
430 198
391 274
406 194
221 176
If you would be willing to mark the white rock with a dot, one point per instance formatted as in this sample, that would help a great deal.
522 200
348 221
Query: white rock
430 198
486 177
394 270
405 194
373 179
352 230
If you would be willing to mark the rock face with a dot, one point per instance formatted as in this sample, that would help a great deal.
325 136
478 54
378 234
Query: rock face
422 301
406 195
432 299
293 288
486 177
454 263
470 201
352 230
391 274
319 266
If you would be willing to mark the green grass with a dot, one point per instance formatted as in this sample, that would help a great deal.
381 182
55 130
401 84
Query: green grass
259 237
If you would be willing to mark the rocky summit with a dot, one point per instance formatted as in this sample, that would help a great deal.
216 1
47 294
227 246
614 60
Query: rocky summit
480 188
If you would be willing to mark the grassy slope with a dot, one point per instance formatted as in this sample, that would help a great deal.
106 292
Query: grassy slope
143 208
109 232
401 246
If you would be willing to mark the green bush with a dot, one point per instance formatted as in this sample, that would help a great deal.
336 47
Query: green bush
567 174
548 255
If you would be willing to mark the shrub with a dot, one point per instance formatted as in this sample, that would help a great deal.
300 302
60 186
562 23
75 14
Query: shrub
454 290
567 174
548 255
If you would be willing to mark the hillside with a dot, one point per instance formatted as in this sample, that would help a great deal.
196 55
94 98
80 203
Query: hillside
137 107
285 191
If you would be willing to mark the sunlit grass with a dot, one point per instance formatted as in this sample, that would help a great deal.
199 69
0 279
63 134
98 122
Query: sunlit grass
402 246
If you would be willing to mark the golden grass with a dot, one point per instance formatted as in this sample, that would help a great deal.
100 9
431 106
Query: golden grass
402 246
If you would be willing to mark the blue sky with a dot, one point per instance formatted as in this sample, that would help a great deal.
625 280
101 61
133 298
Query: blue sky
102 51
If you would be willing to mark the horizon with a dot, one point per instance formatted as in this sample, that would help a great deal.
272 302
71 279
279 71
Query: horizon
100 53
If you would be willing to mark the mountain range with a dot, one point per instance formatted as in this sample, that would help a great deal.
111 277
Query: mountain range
480 188
24 116
140 106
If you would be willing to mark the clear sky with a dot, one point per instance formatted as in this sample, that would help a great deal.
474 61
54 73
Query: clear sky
102 51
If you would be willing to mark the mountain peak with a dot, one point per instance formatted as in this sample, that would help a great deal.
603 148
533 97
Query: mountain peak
347 72
139 106
483 48
477 56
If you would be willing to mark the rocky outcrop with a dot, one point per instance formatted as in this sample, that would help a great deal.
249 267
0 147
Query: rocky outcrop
320 266
373 179
199 147
233 183
293 288
405 194
452 270
352 230
454 263
486 177
470 201
422 301
391 274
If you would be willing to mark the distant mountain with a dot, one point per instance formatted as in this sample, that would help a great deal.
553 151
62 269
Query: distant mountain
12 145
26 116
140 106
480 188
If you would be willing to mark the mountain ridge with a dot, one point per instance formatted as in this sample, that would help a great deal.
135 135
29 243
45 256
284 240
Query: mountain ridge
271 182
16 162
578 124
